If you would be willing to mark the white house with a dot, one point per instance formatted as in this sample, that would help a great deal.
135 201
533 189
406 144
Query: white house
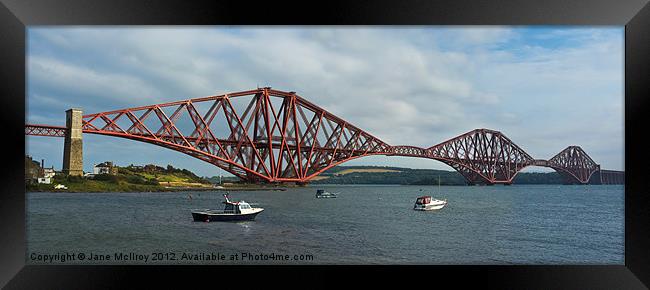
105 168
45 180
48 172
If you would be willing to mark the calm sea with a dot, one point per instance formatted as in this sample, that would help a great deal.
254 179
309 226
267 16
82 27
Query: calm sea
519 224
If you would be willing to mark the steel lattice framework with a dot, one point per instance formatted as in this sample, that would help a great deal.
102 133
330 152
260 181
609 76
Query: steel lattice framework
275 136
45 130
574 164
271 136
482 156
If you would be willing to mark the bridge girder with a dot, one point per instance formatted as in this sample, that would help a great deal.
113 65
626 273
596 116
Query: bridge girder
482 156
275 136
260 135
574 165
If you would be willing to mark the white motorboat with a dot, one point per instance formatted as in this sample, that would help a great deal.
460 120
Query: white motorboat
324 194
428 203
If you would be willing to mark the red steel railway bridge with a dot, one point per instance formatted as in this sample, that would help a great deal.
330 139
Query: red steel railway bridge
266 135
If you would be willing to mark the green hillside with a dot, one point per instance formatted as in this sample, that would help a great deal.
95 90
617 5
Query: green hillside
129 179
155 178
408 176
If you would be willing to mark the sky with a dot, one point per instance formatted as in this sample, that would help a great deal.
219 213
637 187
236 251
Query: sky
544 87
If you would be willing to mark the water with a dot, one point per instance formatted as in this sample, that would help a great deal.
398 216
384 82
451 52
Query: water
519 224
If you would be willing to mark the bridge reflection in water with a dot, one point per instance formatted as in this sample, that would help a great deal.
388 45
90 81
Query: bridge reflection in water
275 136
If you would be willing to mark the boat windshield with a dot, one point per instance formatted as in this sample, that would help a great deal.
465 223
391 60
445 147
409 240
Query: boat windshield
423 200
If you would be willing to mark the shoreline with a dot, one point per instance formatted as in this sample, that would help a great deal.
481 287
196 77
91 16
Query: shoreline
179 189
253 188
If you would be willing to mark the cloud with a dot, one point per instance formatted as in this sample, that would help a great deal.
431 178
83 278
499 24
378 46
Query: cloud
415 85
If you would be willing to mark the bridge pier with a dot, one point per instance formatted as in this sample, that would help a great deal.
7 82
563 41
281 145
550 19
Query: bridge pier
612 177
73 145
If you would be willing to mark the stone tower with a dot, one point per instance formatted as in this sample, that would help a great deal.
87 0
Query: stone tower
72 148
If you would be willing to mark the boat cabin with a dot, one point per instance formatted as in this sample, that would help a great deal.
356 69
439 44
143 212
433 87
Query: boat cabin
236 207
423 200
232 211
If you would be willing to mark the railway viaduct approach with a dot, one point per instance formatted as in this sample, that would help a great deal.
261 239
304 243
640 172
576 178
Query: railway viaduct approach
266 135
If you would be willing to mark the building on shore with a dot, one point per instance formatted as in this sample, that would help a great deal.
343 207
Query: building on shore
49 172
105 168
32 170
46 174
45 180
37 173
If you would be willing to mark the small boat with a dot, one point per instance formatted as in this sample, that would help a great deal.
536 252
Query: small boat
233 211
320 193
428 203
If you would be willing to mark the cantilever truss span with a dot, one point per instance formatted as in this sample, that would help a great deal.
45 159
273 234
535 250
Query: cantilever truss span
275 136
259 135
486 156
482 156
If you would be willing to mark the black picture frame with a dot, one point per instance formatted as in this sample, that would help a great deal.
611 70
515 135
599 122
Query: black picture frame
15 15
